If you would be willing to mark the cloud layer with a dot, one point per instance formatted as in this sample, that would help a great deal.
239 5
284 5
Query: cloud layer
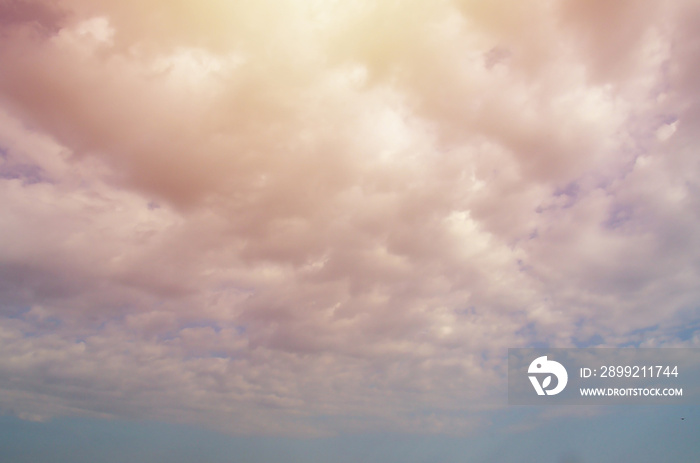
322 216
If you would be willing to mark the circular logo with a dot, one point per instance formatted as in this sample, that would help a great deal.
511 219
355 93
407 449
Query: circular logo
541 366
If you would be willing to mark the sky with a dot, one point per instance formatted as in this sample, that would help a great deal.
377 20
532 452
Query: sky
314 227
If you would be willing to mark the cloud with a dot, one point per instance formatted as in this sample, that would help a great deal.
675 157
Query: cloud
310 217
42 17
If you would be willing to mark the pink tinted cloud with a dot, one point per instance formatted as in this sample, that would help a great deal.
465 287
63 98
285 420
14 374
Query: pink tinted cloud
255 216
